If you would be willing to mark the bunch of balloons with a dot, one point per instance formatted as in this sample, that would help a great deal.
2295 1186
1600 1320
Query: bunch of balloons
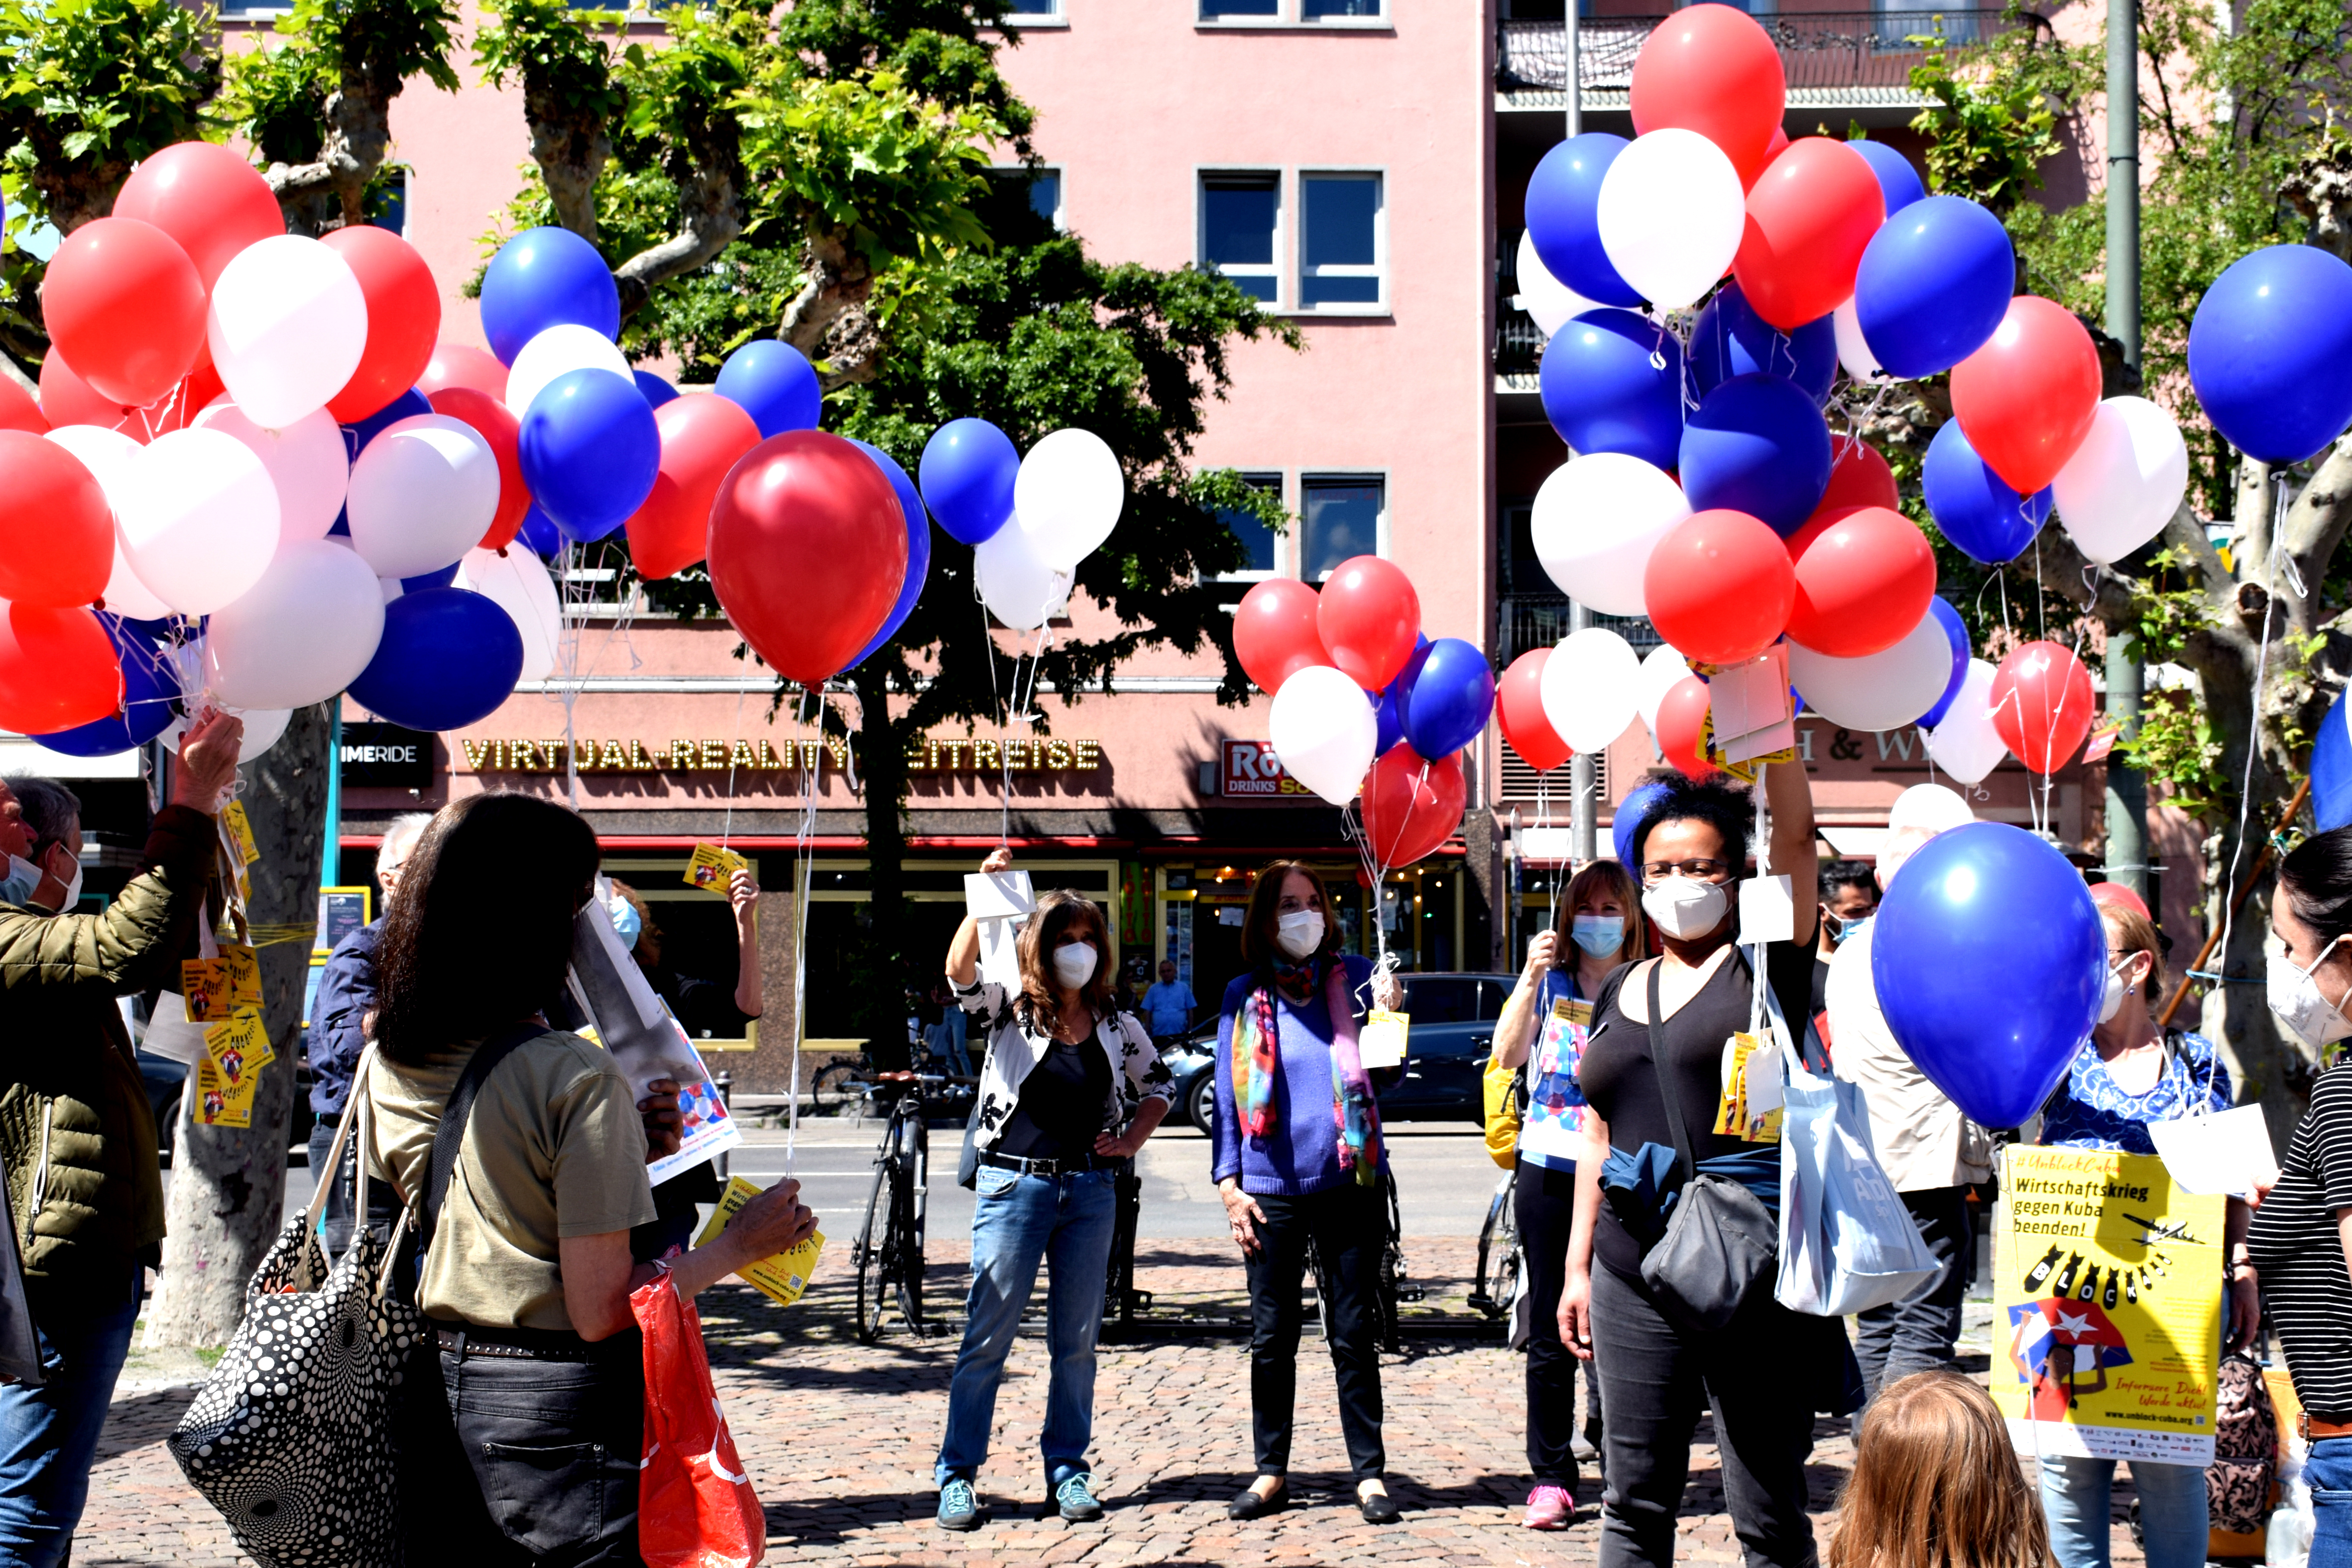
1365 704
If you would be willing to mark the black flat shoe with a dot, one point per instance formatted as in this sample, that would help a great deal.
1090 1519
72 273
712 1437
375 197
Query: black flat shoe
1250 1505
1378 1507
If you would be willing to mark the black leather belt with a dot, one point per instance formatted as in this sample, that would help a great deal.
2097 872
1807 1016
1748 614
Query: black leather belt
532 1344
1068 1167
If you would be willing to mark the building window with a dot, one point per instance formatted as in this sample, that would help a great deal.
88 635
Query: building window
1259 542
1316 10
1038 190
1342 242
388 203
1224 10
1030 10
1344 516
1240 215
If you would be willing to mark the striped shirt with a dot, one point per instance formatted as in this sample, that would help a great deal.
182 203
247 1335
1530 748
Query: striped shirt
2298 1251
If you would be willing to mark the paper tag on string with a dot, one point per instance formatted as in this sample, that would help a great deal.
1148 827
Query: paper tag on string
711 869
780 1278
1381 1041
1736 1114
2102 742
1768 910
240 831
205 983
243 965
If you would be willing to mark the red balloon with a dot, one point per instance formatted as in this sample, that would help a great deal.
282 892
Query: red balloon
58 669
2026 399
495 424
808 552
1368 616
2041 705
1681 717
124 302
61 530
1274 631
17 409
2115 895
1862 585
1406 813
67 399
1719 585
455 364
1808 217
701 440
1812 528
1858 477
404 317
1772 149
209 200
1711 70
1518 704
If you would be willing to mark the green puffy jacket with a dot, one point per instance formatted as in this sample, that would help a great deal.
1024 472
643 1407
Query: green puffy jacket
76 1137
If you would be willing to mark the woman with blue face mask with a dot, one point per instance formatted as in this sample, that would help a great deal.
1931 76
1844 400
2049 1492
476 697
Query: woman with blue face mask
1596 928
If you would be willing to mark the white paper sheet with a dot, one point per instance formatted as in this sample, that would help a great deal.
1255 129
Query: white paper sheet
1000 902
1768 910
2227 1151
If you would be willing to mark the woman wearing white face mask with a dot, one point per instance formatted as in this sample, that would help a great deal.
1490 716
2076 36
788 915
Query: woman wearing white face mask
1299 1155
2128 1074
1597 927
1069 1087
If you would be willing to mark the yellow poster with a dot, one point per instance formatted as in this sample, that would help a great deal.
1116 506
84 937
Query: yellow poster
780 1278
2106 1308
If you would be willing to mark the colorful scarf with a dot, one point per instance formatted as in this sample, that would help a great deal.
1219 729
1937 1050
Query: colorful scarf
1257 1058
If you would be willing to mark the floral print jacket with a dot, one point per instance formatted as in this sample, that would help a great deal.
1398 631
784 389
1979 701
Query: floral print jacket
1014 1048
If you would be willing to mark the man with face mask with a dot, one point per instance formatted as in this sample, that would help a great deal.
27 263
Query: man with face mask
77 1138
45 869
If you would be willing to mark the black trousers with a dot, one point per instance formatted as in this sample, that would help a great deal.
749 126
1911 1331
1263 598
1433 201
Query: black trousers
1348 1223
1653 1376
1545 1203
1918 1333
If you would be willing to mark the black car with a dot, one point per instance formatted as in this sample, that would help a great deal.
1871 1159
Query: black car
1452 1035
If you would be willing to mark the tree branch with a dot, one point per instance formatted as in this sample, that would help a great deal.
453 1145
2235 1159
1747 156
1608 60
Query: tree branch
827 319
2315 522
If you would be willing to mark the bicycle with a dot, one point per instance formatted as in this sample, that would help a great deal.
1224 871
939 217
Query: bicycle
891 1267
1121 1300
1389 1287
1496 1287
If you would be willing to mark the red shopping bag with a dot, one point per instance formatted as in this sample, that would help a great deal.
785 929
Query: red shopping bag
694 1504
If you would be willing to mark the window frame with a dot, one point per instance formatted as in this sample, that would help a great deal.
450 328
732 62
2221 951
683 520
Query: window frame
1282 564
1308 478
1061 174
1379 269
1059 17
1292 14
1275 269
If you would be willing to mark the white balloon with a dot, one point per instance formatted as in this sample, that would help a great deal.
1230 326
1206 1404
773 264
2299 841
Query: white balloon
1670 212
1590 688
1852 352
263 729
1022 591
1067 496
1928 805
2125 481
517 583
1596 521
1663 669
288 325
105 453
1324 730
306 461
1550 301
1884 690
301 634
198 518
1965 744
422 495
555 351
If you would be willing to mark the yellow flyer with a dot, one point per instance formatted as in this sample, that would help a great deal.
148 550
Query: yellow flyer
240 831
218 1104
780 1278
1734 1118
2106 1308
204 987
239 1048
710 868
1381 1043
244 975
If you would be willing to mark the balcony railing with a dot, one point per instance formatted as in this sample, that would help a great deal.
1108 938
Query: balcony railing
1539 620
1518 341
1830 57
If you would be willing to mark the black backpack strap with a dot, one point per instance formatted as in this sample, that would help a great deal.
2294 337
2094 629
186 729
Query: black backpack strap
1683 1157
450 1135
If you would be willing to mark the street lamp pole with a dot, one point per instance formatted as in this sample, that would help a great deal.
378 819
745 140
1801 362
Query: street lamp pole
1583 812
2127 802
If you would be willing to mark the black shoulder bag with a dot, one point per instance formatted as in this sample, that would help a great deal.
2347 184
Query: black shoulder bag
1720 1242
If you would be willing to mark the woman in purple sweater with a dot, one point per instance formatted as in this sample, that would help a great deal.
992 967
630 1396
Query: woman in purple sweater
1299 1158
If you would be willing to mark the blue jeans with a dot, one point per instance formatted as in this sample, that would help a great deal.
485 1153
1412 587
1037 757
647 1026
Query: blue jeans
2329 1472
1019 1220
2077 1495
49 1436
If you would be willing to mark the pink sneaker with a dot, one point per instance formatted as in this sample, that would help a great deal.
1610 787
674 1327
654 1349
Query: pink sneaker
1549 1507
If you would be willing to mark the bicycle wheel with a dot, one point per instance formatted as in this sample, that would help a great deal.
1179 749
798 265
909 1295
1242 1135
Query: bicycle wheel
1498 1274
871 1253
906 1205
1391 1287
1322 1277
829 1092
1494 1230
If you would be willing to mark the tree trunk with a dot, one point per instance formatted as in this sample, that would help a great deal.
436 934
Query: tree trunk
827 319
882 767
228 1184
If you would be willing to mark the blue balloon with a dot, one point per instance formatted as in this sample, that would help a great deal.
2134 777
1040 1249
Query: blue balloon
657 391
2331 769
546 278
1389 702
967 474
441 579
1956 631
919 548
1934 283
1757 444
539 532
150 684
1984 518
2270 352
1603 393
1989 964
1562 195
1730 339
1450 700
1898 182
774 384
449 658
591 451
1631 811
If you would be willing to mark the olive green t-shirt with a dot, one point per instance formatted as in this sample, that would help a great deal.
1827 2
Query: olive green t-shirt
555 1148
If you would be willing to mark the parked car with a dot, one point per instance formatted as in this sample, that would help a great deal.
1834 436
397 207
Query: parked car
165 1081
1452 1035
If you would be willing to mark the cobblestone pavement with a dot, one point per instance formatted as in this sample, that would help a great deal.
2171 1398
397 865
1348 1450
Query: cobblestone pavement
839 1438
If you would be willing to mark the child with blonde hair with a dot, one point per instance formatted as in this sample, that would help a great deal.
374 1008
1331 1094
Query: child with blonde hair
1936 1485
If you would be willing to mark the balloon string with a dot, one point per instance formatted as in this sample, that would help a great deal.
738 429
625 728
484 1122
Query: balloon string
2254 719
803 864
996 709
734 749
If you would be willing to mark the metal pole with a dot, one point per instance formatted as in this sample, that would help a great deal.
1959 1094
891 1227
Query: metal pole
2126 794
1583 815
1575 94
331 852
2126 791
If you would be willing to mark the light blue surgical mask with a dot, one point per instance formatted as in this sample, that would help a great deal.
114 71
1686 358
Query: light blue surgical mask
23 876
625 924
1600 935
